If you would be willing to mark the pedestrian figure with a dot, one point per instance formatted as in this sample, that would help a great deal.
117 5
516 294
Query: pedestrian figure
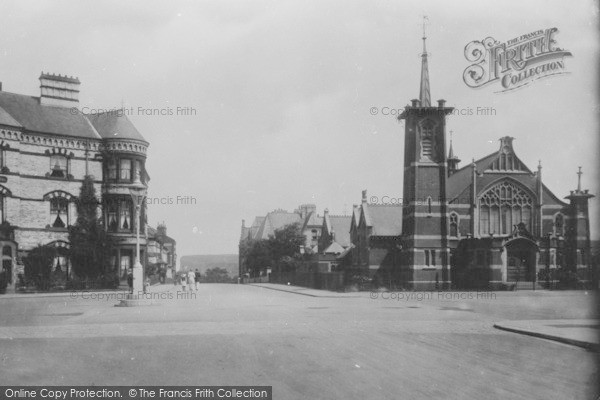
183 280
191 277
130 279
198 276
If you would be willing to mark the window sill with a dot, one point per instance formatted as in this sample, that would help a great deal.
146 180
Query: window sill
69 177
56 229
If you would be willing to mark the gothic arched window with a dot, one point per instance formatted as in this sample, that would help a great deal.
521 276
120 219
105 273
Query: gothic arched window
504 206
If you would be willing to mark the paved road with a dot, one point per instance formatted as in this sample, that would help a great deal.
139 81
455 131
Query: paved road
337 347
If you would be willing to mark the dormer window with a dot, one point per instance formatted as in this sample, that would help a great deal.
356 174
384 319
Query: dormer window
58 166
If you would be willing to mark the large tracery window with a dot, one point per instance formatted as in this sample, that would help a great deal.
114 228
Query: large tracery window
503 207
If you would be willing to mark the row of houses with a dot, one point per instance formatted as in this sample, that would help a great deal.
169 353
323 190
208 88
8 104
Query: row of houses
333 243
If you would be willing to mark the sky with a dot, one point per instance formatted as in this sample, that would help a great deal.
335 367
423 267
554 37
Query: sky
280 95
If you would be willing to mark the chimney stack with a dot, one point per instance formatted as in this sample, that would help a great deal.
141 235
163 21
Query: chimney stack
58 90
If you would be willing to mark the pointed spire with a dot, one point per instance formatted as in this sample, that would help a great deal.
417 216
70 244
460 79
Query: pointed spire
452 159
424 95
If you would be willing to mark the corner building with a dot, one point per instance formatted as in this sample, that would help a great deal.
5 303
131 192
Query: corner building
47 146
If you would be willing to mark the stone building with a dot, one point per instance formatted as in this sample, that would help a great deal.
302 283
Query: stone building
47 146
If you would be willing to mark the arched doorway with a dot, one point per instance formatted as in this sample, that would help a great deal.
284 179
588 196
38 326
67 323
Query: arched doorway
521 260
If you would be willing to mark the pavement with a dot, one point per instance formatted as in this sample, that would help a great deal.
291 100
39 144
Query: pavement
306 291
577 332
303 342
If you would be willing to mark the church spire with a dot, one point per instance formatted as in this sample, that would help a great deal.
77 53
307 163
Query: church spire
452 159
424 95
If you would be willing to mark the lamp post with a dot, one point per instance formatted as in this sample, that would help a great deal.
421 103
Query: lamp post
138 194
549 244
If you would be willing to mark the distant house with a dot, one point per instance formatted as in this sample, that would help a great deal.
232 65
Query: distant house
162 250
262 228
335 244
377 237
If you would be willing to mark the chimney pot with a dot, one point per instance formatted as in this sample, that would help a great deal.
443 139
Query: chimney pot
441 103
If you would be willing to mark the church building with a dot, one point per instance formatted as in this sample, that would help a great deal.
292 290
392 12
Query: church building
489 224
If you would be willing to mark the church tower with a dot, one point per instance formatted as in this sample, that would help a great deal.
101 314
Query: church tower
424 260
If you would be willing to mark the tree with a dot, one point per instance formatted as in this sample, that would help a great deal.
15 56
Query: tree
217 275
38 266
280 250
285 245
91 246
258 256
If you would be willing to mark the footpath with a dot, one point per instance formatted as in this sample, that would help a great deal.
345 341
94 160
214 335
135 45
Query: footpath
577 332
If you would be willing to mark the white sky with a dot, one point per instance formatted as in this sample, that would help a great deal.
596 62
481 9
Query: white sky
283 90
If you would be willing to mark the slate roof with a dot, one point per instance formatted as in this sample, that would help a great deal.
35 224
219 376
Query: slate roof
313 220
340 224
459 183
153 234
276 220
112 125
30 114
6 119
255 227
385 219
334 248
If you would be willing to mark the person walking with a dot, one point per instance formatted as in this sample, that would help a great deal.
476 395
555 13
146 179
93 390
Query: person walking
191 277
183 280
197 278
130 279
